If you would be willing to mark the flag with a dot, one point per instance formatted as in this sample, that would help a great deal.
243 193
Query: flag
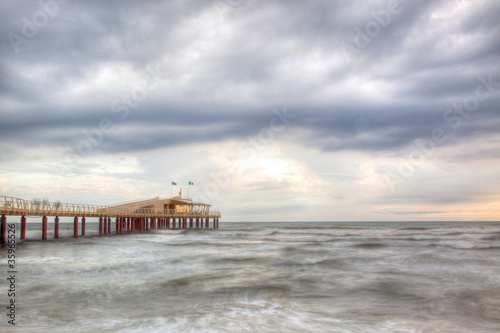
191 183
174 183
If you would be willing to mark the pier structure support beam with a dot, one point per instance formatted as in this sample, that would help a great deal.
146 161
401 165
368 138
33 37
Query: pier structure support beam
141 221
214 222
191 223
100 225
44 228
132 224
75 227
197 223
168 222
117 221
105 225
109 225
84 220
23 227
3 230
120 224
128 223
206 222
56 227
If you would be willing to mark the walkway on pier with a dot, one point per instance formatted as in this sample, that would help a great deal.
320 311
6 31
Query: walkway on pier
155 213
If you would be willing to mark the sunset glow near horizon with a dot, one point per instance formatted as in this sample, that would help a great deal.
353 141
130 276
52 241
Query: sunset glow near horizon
275 110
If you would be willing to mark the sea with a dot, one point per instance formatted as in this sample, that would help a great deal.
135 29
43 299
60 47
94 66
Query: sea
259 277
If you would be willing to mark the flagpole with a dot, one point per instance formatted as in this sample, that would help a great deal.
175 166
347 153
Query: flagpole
189 185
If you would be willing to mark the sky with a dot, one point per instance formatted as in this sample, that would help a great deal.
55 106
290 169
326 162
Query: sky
275 110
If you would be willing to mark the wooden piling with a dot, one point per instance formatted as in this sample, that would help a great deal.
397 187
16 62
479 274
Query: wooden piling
109 225
23 227
75 227
56 227
100 225
44 228
83 225
3 230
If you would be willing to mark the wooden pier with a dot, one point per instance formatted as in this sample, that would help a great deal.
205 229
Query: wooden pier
141 215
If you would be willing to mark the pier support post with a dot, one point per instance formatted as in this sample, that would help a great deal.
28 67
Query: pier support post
153 223
116 222
23 227
197 223
168 222
141 220
56 227
105 224
191 223
83 225
3 230
214 222
75 227
100 225
44 228
132 224
206 223
109 225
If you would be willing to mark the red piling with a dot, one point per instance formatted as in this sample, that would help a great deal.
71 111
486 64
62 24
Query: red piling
23 227
141 220
191 223
207 222
100 225
4 230
105 224
116 222
83 225
168 222
197 223
44 228
153 223
75 227
109 225
132 225
56 227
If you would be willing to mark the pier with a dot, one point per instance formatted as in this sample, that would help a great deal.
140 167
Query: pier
129 217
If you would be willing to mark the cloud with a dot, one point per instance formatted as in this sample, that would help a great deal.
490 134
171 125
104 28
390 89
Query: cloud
224 66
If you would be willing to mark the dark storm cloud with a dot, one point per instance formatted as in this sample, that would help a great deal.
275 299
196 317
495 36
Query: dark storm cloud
234 63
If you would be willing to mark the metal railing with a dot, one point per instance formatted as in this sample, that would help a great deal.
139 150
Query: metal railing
16 206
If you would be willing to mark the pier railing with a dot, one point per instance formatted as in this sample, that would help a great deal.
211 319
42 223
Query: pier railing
16 206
